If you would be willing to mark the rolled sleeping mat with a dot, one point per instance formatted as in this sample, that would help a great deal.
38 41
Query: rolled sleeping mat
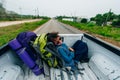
15 45
21 52
25 57
29 62
37 70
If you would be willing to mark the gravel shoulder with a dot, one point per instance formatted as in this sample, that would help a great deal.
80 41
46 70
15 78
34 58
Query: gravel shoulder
7 23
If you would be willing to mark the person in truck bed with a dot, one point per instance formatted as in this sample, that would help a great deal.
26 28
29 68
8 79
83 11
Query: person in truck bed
72 55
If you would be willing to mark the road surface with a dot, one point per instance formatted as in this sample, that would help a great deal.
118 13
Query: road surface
7 23
54 25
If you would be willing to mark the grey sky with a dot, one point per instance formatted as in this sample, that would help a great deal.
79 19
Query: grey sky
84 8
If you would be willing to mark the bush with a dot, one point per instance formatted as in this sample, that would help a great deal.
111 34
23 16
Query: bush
90 24
116 23
84 20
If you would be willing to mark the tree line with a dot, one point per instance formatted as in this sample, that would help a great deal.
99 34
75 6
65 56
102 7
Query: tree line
12 16
100 19
103 19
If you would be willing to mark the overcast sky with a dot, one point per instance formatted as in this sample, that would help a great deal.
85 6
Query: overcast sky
52 8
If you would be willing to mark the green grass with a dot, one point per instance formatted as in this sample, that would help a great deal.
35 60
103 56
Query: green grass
106 31
10 32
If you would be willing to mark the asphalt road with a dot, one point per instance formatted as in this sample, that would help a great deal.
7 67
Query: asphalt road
54 25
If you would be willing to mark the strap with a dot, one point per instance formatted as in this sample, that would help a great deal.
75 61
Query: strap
34 66
19 48
37 47
45 53
22 51
38 41
55 53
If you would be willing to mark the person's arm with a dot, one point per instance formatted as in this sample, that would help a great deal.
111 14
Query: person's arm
67 57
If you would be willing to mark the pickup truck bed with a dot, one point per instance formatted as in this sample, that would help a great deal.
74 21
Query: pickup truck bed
103 64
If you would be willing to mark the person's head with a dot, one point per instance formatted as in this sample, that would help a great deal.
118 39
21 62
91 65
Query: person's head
54 37
58 41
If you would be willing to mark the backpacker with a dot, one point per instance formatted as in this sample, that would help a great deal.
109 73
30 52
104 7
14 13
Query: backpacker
81 50
21 46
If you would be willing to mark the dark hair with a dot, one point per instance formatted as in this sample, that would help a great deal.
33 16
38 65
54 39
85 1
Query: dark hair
51 36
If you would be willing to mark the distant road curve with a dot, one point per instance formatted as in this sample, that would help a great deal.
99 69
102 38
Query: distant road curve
7 23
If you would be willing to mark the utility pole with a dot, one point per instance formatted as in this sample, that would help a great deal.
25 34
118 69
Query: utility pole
20 12
35 13
38 12
107 17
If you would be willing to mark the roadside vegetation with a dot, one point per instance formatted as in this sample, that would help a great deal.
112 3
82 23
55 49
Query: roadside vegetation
91 28
105 26
10 32
108 18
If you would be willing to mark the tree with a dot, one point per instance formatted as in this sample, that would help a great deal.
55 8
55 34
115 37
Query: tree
84 20
99 19
92 19
2 10
116 23
102 19
108 17
118 17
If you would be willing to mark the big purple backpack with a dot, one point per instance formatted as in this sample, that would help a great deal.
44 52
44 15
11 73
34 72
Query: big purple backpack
21 45
24 38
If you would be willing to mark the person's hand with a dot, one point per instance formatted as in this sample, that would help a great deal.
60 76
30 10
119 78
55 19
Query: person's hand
59 42
71 49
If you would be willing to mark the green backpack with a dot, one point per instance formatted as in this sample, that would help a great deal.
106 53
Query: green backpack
40 45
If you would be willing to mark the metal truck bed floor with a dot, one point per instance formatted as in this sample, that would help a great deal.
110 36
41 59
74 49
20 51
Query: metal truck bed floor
57 74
